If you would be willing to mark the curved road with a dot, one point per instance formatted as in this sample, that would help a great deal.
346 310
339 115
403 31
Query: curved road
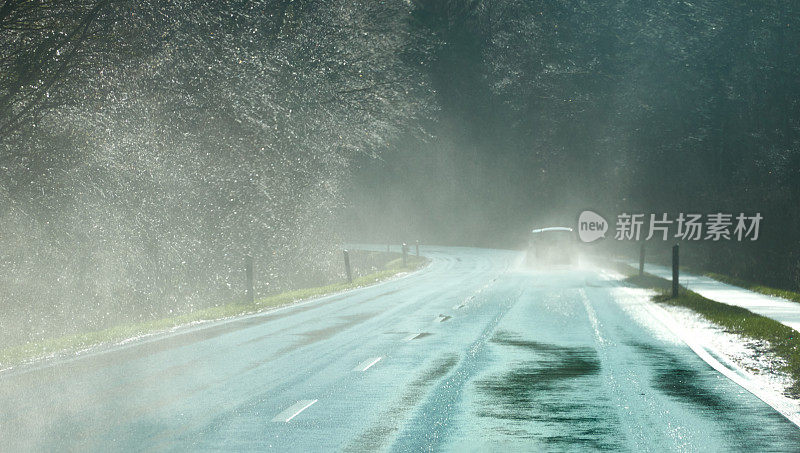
471 353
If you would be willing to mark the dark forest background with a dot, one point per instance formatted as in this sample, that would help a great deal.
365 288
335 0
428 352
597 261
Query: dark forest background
547 108
147 147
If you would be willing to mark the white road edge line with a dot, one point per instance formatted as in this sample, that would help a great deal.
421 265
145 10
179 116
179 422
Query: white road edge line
367 364
293 411
667 320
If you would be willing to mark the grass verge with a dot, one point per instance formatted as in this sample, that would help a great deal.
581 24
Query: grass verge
28 352
787 294
781 340
769 291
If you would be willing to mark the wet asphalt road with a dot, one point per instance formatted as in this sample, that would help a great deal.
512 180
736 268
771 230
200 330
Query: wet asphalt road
471 354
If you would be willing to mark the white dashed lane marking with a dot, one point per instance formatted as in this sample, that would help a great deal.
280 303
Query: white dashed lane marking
367 364
293 411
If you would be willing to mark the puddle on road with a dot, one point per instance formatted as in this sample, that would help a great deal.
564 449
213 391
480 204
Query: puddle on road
313 336
674 378
389 423
553 386
746 422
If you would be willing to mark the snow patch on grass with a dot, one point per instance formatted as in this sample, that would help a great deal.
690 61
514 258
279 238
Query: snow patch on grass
748 362
752 358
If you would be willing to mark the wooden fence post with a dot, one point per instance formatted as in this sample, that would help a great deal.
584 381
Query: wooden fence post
641 260
347 266
675 271
249 295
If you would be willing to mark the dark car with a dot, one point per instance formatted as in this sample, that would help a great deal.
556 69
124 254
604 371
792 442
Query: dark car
551 246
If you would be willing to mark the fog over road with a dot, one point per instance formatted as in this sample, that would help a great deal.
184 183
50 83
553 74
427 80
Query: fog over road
473 352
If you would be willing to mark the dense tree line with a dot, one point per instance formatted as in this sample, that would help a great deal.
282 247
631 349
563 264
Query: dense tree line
551 107
147 147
